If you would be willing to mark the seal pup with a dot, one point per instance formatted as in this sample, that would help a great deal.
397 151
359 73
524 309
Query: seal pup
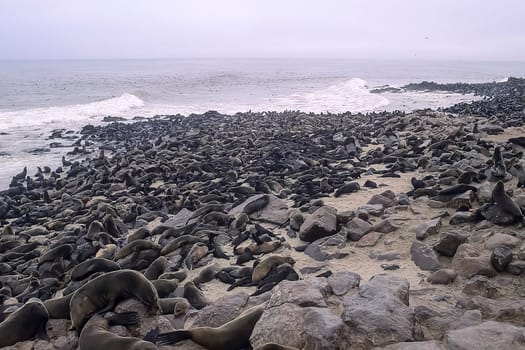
265 266
102 293
194 295
24 324
176 306
498 169
96 336
233 335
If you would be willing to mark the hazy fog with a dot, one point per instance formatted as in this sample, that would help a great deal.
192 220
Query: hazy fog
420 29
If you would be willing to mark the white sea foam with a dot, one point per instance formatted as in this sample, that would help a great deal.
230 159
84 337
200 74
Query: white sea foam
352 95
67 115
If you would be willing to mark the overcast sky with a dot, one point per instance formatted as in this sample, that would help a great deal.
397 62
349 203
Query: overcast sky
421 29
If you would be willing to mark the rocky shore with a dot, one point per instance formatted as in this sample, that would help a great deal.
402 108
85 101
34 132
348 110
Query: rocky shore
275 231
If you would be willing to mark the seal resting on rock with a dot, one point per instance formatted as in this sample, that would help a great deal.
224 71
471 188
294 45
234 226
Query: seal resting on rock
102 293
24 324
96 336
233 335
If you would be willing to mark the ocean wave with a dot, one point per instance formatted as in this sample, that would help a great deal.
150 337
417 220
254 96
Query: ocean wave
352 95
79 113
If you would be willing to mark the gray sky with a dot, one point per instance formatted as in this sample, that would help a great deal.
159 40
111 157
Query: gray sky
422 29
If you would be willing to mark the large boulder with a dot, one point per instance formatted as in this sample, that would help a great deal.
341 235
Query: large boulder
471 260
342 282
379 314
419 345
428 228
321 223
486 336
424 257
357 228
221 311
304 293
307 328
274 212
449 242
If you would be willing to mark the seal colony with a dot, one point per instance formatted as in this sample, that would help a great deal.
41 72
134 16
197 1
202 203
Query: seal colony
275 231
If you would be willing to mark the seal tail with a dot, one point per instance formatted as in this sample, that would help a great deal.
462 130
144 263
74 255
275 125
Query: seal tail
172 337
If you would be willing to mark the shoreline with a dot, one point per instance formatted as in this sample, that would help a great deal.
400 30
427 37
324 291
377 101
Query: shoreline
334 193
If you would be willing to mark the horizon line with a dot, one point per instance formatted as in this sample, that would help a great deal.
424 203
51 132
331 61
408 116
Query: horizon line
414 59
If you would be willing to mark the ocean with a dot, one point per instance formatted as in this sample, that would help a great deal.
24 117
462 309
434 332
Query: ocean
37 97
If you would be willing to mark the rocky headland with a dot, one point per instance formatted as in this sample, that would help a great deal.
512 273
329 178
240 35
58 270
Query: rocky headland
275 231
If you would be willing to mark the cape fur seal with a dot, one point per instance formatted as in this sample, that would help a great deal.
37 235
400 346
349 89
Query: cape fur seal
233 335
264 267
96 336
59 307
102 293
91 266
503 200
176 306
24 324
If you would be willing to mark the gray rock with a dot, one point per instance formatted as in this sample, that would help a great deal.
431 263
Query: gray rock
372 209
221 311
428 228
462 200
304 293
357 228
468 319
369 240
180 219
315 252
504 310
502 240
482 286
385 226
418 345
342 282
306 328
443 276
485 193
449 242
383 200
388 256
379 314
404 199
470 260
501 257
322 223
322 249
424 257
275 212
58 327
516 267
486 336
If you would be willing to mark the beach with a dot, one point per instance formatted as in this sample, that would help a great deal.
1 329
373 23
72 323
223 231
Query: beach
385 230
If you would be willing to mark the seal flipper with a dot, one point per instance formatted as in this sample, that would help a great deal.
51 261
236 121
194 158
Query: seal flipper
41 333
130 318
172 337
152 335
